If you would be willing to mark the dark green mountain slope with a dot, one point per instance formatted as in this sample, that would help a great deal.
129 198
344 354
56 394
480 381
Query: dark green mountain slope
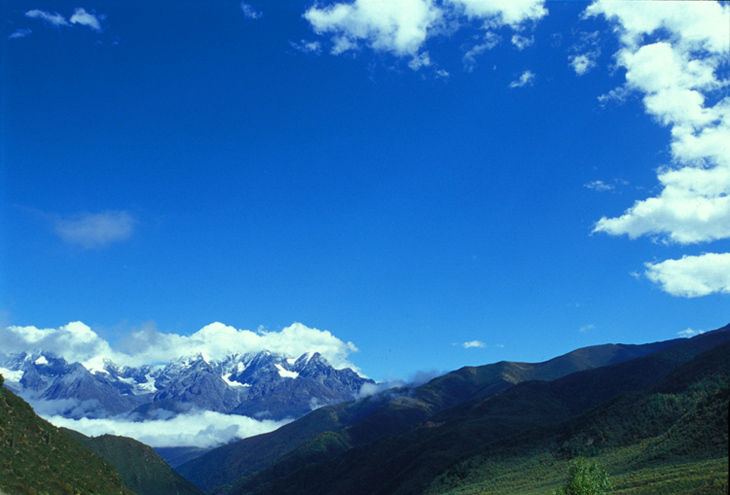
672 438
404 463
37 457
360 422
140 467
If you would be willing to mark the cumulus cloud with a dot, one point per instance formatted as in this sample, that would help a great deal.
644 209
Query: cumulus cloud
589 51
305 46
250 11
473 344
674 55
527 78
499 12
77 342
19 33
198 428
80 17
599 185
397 27
83 18
582 63
54 19
402 28
95 230
398 386
469 59
692 276
688 333
522 42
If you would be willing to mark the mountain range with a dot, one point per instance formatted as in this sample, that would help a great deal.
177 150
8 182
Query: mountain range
656 415
262 385
402 440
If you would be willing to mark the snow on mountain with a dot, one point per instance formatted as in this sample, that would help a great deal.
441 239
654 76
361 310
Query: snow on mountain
260 385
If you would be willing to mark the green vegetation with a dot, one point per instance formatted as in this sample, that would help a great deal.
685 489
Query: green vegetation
330 431
585 478
139 466
652 442
36 458
655 417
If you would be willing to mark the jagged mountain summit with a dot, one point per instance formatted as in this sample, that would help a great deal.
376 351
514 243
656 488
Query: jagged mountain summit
263 385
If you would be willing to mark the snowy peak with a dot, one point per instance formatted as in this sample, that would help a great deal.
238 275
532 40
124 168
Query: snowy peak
262 384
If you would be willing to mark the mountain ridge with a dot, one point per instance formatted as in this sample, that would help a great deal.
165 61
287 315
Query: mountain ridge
407 461
261 385
350 424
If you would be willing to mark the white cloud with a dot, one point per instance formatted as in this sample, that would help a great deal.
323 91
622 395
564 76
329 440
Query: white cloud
599 185
586 328
397 27
54 19
474 344
403 27
470 57
499 12
414 380
94 230
582 63
690 333
522 42
250 11
19 33
679 75
692 276
527 78
305 46
206 429
77 342
80 16
589 51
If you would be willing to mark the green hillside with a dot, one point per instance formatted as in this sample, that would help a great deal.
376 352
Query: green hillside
408 462
38 458
672 439
335 429
139 466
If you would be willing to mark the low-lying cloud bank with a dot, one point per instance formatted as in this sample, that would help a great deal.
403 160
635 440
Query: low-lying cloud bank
198 428
414 380
77 342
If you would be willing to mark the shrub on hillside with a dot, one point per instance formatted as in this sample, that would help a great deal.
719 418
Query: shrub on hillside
585 478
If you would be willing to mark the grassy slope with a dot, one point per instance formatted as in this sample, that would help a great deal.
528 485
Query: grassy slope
335 429
38 458
672 439
405 463
139 466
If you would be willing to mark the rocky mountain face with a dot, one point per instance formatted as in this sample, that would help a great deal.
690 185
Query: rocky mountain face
261 385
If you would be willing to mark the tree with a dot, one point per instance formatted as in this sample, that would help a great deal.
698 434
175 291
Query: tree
585 478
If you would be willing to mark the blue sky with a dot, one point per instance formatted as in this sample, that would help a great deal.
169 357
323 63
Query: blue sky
438 182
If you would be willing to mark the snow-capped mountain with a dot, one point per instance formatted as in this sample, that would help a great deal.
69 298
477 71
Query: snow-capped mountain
260 385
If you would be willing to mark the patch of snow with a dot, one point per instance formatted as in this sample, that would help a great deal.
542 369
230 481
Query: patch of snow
284 373
231 383
95 365
291 361
147 387
41 361
11 375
